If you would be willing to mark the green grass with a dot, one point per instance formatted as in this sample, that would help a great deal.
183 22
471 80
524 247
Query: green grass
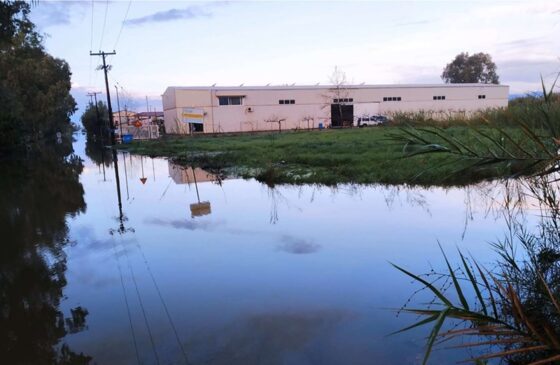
364 156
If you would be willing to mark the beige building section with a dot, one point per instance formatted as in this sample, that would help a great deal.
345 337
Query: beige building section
188 175
263 108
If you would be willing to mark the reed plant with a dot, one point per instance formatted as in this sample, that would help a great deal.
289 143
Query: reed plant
515 313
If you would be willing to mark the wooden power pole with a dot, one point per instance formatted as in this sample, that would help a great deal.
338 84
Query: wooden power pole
105 68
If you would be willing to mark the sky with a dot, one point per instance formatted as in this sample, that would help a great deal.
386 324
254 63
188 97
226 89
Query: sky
180 43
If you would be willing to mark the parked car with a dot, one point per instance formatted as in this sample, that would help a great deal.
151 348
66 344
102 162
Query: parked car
372 120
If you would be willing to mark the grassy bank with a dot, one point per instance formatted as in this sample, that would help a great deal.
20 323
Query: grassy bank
368 155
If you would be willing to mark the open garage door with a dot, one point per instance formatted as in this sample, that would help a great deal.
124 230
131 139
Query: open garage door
342 115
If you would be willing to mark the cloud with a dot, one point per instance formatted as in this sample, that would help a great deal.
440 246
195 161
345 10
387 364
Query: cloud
188 13
418 22
57 13
524 43
529 71
182 224
298 246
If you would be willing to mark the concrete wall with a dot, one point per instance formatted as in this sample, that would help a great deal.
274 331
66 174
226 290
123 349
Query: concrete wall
260 109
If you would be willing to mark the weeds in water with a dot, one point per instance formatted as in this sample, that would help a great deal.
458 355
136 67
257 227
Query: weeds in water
499 317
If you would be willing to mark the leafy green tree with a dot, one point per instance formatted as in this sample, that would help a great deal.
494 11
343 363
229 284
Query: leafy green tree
478 68
35 100
95 120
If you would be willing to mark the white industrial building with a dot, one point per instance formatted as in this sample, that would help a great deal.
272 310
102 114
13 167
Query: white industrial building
260 108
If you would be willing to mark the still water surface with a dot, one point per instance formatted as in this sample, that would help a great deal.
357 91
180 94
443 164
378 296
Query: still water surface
255 275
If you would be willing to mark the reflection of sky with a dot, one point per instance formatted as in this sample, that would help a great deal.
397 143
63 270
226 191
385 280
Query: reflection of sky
298 275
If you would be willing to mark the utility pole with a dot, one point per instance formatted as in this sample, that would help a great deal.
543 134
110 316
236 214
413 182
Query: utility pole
105 68
149 118
119 107
94 94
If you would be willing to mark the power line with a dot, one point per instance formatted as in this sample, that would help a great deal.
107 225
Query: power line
104 23
142 306
91 41
164 305
91 30
126 303
122 25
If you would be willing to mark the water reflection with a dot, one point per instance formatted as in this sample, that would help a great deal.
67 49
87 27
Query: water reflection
297 245
38 195
188 175
269 338
290 274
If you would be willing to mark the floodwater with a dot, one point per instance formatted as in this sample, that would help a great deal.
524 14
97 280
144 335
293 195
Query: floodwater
227 272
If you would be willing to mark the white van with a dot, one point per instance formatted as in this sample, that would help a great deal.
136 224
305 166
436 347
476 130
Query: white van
373 120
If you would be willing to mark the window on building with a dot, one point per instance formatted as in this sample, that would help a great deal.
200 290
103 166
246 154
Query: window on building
343 100
482 96
286 101
392 98
230 100
439 97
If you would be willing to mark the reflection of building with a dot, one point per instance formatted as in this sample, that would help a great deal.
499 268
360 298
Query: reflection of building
188 175
260 108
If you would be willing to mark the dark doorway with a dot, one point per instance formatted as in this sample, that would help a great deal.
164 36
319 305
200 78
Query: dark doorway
342 115
197 127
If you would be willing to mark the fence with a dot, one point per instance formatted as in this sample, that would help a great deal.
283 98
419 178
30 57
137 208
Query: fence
150 131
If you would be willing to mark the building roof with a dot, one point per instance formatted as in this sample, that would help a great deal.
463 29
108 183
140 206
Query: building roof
328 87
150 114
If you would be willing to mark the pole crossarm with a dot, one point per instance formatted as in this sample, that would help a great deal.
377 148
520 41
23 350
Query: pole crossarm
105 68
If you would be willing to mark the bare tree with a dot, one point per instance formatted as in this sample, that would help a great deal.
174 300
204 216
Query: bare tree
276 119
308 118
338 92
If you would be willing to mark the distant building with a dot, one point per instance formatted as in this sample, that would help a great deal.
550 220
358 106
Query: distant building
259 108
149 115
124 116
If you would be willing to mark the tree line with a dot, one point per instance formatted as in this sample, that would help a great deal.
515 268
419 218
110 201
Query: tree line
35 100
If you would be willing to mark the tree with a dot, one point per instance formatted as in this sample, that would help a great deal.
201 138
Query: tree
91 124
477 68
35 100
337 98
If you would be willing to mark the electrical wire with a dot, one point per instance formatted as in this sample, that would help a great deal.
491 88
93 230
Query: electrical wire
91 29
126 303
142 306
164 305
122 24
91 42
104 24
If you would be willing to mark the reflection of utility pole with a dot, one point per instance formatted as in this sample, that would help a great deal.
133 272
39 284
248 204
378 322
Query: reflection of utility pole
105 68
115 162
122 218
125 176
103 162
195 184
143 178
200 208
